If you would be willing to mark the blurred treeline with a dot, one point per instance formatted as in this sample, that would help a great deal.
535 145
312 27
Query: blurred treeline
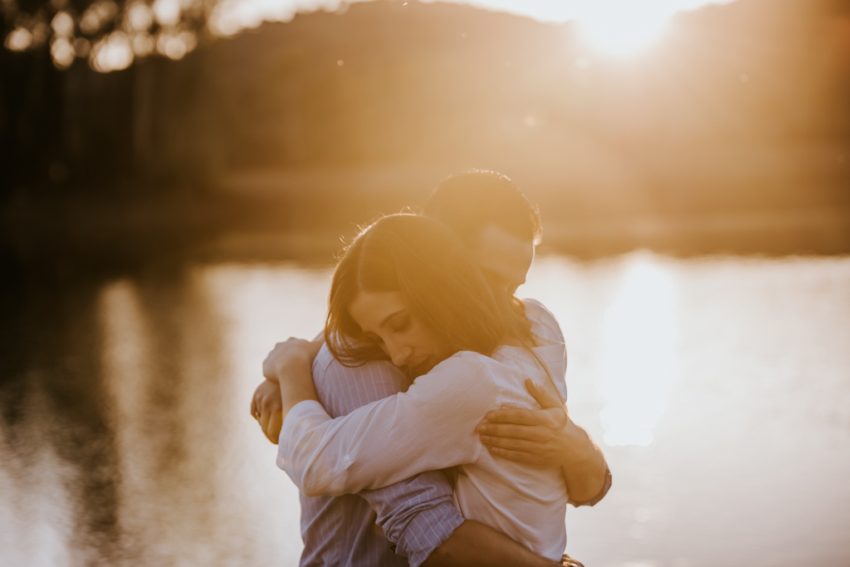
735 126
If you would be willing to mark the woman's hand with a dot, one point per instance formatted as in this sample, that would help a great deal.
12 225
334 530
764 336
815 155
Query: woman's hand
289 364
288 355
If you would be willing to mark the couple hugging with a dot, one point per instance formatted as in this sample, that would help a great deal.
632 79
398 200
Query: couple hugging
427 425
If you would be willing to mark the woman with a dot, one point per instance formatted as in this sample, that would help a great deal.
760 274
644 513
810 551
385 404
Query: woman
407 290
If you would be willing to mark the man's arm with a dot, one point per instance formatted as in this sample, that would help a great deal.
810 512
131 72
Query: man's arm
548 437
419 517
477 544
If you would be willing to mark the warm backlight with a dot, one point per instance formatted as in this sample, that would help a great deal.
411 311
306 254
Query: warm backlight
623 29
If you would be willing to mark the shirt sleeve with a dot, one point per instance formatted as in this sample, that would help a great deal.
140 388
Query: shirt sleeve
544 324
417 514
550 339
429 427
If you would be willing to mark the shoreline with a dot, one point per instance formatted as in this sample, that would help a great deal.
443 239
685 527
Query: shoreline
99 234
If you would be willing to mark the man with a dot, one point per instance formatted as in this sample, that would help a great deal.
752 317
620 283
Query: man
418 515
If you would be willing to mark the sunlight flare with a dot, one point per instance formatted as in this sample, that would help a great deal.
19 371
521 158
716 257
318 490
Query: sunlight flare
623 29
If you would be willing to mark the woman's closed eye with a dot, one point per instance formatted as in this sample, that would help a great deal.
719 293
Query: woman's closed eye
400 324
373 338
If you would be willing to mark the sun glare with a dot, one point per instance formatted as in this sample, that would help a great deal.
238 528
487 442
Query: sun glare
623 29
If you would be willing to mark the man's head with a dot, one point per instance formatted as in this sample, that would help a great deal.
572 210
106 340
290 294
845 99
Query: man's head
495 220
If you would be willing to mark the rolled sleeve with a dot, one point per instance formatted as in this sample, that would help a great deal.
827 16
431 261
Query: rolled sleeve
417 515
427 531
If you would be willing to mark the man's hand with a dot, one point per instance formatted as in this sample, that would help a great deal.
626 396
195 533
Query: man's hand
266 409
292 351
549 438
543 438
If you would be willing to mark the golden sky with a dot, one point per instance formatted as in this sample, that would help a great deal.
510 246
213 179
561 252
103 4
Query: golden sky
613 27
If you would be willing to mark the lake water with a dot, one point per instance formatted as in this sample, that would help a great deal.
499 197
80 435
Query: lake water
718 388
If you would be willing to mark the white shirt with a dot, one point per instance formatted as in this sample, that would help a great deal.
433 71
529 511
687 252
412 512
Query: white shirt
431 426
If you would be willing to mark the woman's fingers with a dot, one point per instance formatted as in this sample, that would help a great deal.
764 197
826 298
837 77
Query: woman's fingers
291 351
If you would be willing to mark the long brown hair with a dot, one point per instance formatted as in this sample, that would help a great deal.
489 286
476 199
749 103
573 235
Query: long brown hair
441 283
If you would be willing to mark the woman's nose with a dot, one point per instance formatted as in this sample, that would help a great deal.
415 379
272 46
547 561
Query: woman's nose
399 354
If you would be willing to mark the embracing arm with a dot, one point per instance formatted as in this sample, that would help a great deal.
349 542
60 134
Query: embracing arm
583 466
419 517
476 544
548 437
429 427
418 514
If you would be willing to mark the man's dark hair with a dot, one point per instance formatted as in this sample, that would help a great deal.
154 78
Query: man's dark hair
469 202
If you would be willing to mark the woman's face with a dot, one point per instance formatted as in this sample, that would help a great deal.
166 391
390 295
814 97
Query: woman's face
385 318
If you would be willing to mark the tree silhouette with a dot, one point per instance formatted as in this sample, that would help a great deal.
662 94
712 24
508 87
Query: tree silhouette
110 34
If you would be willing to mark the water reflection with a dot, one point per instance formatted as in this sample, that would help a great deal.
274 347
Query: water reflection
180 359
126 438
36 515
55 429
175 411
638 351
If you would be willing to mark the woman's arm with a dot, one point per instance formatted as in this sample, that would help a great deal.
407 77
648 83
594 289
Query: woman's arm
429 427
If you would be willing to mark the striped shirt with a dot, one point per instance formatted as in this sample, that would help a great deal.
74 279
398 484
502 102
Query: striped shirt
377 527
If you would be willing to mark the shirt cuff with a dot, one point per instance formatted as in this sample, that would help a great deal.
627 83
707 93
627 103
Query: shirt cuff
428 530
